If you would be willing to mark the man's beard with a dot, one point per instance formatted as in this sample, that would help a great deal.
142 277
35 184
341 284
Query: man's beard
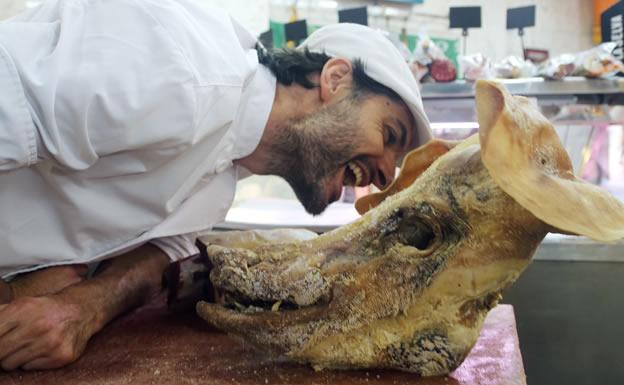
309 150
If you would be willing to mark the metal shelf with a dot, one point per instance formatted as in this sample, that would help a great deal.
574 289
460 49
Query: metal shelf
570 90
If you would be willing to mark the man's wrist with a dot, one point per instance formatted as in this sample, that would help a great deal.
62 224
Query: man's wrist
6 292
87 312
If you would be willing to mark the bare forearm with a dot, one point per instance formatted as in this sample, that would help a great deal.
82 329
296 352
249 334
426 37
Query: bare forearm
123 283
50 331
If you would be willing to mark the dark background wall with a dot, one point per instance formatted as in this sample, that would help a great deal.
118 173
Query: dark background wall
570 318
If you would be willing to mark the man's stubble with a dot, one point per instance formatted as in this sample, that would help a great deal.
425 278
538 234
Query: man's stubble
309 150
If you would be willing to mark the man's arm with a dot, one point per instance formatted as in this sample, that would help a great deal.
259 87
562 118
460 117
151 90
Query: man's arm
52 331
5 292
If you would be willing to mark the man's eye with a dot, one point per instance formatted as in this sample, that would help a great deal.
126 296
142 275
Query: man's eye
390 136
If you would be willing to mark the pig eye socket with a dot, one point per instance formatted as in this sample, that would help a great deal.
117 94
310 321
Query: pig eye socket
410 227
416 234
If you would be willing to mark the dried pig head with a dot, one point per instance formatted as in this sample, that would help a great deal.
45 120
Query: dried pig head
407 286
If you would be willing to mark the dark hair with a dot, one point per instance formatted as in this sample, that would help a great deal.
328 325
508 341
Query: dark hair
293 66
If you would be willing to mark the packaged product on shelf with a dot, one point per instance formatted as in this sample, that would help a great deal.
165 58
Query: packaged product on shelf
420 71
428 54
476 66
513 67
443 70
427 50
598 62
557 67
422 58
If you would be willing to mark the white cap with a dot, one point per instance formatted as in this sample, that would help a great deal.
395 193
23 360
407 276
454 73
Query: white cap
382 62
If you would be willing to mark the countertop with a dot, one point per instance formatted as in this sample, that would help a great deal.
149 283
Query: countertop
154 346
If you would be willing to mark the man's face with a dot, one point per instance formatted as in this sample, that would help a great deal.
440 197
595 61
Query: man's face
352 142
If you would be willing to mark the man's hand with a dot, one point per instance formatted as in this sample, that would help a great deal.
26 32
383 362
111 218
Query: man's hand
52 331
42 333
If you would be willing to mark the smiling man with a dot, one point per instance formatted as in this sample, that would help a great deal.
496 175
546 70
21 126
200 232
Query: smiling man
124 126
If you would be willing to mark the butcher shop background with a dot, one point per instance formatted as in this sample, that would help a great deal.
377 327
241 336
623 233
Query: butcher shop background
568 303
561 25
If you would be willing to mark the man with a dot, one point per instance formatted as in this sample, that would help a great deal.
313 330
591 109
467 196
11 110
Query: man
124 126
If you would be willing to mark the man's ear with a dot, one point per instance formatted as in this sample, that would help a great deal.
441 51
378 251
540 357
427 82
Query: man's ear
336 78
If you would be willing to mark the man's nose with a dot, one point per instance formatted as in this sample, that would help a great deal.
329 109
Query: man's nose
385 170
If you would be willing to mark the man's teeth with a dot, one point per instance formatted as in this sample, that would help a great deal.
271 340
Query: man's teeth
357 171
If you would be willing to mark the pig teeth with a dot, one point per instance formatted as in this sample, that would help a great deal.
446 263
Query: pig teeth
357 171
276 306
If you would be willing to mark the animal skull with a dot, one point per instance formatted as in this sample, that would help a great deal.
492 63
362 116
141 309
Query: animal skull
407 286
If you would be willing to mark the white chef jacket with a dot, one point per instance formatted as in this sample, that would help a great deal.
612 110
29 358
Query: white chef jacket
119 122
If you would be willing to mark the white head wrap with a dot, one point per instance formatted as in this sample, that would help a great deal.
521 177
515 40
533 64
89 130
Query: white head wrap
382 62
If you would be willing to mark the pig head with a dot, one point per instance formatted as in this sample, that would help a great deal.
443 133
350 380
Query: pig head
407 286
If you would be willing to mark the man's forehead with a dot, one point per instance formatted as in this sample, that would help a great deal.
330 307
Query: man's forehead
400 109
396 112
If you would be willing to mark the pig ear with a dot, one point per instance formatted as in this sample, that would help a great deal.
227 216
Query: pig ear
414 164
525 157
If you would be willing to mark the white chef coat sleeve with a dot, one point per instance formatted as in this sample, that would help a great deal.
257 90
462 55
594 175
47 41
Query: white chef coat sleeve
103 91
17 131
177 247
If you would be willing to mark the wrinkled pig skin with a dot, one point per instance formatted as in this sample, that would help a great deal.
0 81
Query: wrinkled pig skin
407 286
